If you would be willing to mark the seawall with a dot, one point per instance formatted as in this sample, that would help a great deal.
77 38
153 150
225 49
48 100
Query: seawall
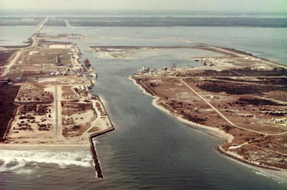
92 145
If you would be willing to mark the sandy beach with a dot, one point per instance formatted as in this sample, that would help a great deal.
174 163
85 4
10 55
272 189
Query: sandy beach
143 90
215 132
54 109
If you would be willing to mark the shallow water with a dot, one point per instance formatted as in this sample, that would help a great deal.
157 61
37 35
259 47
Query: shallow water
270 43
149 149
15 35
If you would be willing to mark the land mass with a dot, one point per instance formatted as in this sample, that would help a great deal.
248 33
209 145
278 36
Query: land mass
45 93
237 94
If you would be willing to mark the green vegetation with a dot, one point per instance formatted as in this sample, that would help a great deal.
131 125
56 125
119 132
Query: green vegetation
7 107
20 21
49 57
55 22
177 21
4 56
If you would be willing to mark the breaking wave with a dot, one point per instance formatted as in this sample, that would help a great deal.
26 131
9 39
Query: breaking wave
16 160
271 176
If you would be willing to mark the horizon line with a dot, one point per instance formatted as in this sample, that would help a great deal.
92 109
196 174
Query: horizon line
144 10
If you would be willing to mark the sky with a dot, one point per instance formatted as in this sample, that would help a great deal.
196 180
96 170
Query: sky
191 5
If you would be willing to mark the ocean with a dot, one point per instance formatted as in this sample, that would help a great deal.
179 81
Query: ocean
148 148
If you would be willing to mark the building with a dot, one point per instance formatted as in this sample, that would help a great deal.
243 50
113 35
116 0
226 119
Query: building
61 46
58 61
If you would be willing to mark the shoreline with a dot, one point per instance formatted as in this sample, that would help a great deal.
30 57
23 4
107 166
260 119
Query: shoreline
87 145
143 90
17 46
94 150
218 133
86 142
199 46
226 137
52 146
92 144
239 158
62 144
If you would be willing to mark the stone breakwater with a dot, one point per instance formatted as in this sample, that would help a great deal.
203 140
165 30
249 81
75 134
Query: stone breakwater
92 146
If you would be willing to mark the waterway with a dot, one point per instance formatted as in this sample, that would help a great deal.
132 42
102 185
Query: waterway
148 149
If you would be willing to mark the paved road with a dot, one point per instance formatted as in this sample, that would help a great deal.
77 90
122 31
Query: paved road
18 54
56 112
223 116
67 23
34 36
13 62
